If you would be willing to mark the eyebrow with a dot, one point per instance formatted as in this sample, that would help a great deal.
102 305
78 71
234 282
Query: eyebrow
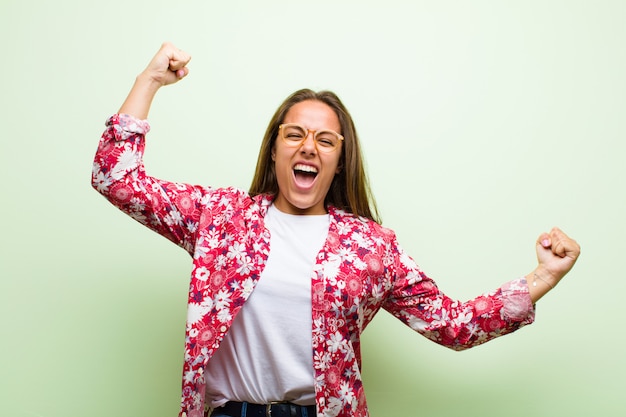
315 130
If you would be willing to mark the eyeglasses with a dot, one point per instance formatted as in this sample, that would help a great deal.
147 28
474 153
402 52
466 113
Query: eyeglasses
294 135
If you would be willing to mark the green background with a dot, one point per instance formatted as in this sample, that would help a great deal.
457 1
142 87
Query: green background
484 123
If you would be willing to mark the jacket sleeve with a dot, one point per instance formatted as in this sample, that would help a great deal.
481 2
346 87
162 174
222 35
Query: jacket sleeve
171 209
416 300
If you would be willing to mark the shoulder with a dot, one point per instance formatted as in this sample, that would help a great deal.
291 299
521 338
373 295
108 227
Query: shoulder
237 199
230 196
352 223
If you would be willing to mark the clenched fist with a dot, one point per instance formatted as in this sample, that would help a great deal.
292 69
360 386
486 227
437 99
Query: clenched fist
168 65
556 254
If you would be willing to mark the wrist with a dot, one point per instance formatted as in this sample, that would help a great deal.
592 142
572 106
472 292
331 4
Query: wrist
538 278
543 274
540 282
147 83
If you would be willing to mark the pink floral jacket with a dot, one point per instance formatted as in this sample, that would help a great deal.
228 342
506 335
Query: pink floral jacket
360 269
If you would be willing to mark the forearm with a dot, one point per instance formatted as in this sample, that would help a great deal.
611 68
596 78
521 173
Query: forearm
140 97
455 324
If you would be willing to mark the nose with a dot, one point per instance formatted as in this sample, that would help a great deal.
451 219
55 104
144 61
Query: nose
308 145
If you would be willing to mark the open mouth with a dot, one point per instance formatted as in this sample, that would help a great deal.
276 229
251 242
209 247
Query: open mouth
304 174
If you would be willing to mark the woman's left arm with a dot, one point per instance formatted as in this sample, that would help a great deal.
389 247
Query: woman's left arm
417 301
556 255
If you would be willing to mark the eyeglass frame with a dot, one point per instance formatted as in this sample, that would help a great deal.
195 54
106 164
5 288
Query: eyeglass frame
295 144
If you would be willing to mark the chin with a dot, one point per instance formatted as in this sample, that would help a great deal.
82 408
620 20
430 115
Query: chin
306 207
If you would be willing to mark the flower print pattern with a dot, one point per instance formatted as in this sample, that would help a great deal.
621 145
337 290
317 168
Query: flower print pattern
374 264
121 193
360 269
185 204
206 336
354 285
482 305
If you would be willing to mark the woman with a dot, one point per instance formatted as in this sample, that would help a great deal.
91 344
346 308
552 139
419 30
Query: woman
297 265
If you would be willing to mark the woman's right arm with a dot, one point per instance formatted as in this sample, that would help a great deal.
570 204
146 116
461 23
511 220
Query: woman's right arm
168 66
171 209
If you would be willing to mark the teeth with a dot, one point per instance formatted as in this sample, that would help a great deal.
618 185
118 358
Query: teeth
305 168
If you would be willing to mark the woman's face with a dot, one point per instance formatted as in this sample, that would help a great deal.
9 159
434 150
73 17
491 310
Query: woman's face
304 174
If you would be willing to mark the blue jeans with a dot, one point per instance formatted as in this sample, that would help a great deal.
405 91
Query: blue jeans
218 413
304 414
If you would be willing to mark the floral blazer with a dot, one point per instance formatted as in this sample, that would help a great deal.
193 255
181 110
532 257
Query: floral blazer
360 269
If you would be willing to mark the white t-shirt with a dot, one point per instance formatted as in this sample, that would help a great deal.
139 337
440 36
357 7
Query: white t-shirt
267 354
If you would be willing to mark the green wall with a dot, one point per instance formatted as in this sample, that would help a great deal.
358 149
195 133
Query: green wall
484 123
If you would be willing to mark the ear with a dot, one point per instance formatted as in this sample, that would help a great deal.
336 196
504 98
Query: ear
273 152
340 165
